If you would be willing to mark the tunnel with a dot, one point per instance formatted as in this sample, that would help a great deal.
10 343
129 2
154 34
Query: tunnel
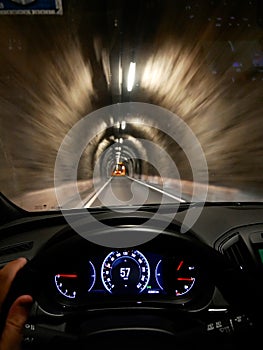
170 89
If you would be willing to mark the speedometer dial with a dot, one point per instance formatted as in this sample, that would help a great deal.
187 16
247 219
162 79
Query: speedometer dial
125 272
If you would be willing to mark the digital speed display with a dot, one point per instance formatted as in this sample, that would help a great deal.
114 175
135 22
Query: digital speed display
125 271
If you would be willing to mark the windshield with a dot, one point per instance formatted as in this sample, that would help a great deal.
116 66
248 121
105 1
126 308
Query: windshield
166 94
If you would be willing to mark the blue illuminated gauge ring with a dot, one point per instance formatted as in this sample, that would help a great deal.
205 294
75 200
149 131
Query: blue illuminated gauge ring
125 272
158 273
92 276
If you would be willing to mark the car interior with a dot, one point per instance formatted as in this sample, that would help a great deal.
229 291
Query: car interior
131 171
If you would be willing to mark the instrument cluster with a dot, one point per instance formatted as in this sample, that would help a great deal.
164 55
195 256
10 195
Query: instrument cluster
126 273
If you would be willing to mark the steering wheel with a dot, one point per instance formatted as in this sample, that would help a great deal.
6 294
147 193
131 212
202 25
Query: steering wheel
151 326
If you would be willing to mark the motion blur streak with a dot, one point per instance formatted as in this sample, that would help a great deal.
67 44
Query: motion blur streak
48 89
223 107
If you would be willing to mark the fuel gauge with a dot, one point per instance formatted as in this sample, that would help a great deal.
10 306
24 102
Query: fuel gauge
185 276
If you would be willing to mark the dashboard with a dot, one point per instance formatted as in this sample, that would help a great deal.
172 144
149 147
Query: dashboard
206 282
121 272
129 275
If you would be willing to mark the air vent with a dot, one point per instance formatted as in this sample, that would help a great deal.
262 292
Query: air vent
235 249
16 248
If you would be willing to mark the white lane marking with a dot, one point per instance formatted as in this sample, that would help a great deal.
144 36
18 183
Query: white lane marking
95 196
157 189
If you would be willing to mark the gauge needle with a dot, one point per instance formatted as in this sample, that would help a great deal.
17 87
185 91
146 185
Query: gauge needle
68 275
185 279
180 265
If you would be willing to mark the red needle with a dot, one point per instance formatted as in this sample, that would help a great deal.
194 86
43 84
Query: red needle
184 279
68 275
180 265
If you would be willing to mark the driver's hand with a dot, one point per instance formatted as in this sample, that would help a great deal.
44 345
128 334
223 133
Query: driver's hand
12 334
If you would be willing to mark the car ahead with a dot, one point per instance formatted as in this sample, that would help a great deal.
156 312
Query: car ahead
131 172
119 170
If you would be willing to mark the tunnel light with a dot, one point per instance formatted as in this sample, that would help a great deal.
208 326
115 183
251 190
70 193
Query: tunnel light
123 124
120 77
120 140
131 76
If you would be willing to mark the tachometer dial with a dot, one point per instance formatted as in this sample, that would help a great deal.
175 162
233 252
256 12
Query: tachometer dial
125 272
68 284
